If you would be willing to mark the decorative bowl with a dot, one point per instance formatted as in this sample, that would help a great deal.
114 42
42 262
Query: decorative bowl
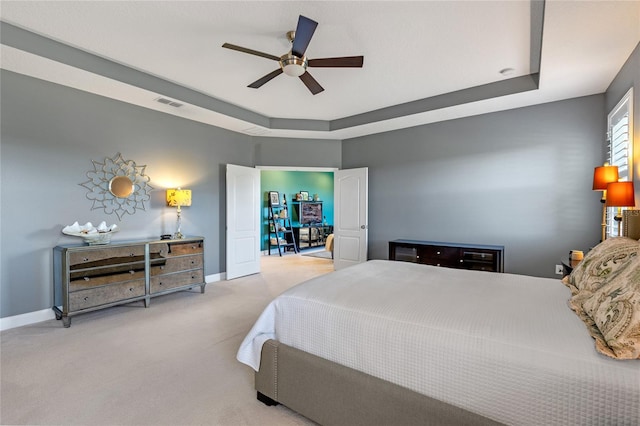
91 235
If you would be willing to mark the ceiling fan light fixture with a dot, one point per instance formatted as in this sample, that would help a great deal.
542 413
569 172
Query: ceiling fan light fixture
292 65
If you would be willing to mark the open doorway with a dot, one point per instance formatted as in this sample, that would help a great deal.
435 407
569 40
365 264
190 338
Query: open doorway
305 211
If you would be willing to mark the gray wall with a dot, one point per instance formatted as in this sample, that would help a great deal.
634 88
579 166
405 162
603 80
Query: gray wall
520 178
293 152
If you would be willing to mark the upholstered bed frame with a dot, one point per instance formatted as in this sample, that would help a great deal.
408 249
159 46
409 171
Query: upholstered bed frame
331 394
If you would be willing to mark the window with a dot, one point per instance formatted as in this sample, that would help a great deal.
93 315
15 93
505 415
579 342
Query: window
619 144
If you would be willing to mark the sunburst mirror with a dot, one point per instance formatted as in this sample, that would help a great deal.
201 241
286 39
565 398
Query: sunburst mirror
117 186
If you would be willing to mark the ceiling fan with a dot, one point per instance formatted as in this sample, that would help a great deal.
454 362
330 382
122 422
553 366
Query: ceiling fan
295 63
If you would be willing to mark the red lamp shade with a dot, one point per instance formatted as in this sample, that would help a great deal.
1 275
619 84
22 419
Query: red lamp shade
603 175
620 194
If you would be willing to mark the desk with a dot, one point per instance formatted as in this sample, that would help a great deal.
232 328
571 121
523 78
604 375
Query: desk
311 236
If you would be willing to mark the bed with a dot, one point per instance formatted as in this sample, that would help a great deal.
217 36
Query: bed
397 343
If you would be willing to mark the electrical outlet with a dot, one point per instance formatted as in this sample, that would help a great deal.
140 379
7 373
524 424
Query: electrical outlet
559 269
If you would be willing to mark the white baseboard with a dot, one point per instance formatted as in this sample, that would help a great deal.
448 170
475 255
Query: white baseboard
26 319
215 277
48 314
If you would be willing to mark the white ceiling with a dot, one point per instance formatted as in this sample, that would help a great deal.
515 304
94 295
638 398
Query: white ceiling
412 50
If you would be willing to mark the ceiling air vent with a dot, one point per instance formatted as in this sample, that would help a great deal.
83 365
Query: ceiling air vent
256 131
169 102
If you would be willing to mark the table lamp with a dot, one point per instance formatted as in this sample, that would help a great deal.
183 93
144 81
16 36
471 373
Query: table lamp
178 198
602 176
620 194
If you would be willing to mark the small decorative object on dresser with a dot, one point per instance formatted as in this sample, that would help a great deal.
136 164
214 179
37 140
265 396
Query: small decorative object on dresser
88 278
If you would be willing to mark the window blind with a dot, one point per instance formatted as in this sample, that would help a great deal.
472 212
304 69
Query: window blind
619 148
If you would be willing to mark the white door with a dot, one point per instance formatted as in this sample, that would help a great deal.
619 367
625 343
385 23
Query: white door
350 228
243 221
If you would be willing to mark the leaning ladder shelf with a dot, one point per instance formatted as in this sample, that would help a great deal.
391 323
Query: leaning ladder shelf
280 231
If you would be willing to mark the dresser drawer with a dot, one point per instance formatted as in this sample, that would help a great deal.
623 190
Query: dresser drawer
175 264
106 256
160 283
106 294
90 279
177 249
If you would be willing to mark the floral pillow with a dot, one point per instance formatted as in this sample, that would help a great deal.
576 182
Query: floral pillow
615 312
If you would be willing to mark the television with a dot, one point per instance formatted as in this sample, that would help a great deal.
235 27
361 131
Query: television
310 213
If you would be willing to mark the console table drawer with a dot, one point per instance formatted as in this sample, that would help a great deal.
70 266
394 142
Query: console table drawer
161 283
106 256
175 264
80 280
177 249
478 260
106 294
439 255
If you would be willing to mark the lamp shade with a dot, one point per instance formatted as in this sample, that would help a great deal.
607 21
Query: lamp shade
178 197
603 175
620 194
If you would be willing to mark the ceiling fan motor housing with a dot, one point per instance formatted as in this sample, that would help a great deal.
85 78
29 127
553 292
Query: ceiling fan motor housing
292 65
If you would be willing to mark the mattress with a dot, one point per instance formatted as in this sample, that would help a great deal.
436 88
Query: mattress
501 345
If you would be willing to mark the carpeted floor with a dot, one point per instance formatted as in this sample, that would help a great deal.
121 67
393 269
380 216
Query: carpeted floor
322 254
170 364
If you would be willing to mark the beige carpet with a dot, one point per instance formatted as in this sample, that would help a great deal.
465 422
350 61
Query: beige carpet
170 364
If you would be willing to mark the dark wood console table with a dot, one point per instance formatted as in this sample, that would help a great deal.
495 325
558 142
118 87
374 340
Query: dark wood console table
479 257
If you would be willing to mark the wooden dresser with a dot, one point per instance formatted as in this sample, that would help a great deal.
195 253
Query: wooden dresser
451 255
88 278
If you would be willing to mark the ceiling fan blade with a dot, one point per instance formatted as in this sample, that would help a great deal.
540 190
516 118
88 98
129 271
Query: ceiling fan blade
342 62
311 83
250 51
304 32
256 84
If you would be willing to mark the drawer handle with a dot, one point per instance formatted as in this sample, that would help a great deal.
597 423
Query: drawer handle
461 260
86 298
87 278
132 254
194 247
437 264
193 262
193 277
132 272
162 267
438 252
131 289
85 259
160 283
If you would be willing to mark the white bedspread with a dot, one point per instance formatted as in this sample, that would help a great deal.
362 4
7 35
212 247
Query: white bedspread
501 345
